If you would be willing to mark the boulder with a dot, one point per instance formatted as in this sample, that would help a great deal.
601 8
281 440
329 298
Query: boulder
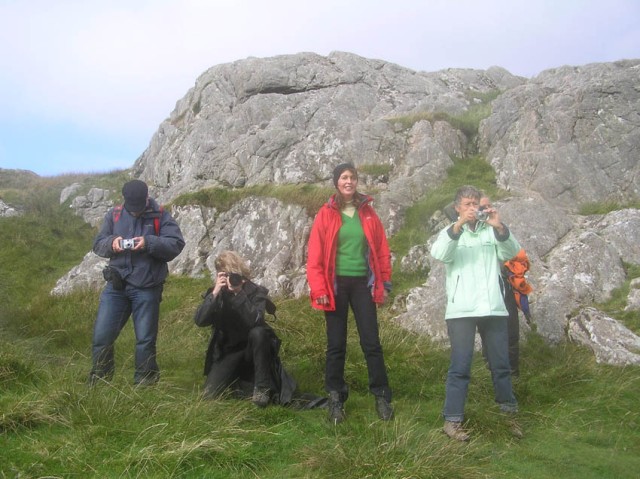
610 341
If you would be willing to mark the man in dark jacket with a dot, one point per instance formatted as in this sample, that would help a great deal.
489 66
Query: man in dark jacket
243 350
139 238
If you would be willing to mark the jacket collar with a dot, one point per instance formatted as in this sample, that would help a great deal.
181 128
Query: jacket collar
333 203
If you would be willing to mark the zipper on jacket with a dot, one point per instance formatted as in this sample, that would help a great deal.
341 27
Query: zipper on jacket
453 296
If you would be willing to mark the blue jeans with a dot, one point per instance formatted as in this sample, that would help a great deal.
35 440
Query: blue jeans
462 332
113 312
354 292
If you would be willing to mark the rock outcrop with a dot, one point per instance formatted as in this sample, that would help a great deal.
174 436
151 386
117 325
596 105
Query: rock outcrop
6 210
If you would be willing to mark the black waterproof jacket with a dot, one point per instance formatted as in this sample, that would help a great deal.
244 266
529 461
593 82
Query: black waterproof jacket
146 268
232 317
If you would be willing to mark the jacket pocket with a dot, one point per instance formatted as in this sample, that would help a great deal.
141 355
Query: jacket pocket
455 289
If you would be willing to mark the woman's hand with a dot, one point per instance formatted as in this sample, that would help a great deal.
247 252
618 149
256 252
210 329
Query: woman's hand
322 300
220 283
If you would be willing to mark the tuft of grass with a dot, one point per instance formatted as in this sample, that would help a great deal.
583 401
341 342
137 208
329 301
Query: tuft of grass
308 196
468 122
617 303
378 169
605 207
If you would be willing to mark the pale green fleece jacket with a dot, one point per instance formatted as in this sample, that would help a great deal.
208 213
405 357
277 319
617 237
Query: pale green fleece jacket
472 260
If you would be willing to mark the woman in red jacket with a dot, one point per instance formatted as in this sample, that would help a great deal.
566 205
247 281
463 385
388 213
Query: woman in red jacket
349 263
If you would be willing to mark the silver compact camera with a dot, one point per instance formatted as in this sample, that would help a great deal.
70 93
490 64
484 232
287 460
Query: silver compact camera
127 243
481 214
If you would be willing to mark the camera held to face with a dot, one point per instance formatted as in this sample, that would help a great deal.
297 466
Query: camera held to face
127 243
234 279
481 214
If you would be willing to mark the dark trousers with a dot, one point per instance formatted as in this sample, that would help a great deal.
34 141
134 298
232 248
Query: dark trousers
251 363
513 329
354 292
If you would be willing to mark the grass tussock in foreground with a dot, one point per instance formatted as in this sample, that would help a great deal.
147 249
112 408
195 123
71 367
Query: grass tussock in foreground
581 419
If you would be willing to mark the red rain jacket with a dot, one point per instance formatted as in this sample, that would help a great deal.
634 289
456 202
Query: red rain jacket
322 247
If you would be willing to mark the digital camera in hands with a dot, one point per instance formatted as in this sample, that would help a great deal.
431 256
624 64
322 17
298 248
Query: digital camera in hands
481 214
234 279
127 243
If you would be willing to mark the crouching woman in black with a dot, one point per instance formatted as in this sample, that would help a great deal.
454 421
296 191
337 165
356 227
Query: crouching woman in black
243 350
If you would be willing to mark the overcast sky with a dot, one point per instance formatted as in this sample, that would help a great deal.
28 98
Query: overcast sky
85 84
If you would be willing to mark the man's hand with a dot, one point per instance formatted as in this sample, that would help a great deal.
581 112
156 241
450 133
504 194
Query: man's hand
115 245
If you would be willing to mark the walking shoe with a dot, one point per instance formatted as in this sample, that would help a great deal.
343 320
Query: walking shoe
336 410
455 431
260 397
384 409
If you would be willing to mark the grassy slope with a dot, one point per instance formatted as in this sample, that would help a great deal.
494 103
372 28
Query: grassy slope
581 419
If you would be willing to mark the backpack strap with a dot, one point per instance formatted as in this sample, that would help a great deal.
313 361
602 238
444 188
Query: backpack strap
117 211
156 221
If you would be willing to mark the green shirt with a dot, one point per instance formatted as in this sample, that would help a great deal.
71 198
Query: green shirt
350 257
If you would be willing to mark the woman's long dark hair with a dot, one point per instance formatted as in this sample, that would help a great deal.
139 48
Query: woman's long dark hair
358 198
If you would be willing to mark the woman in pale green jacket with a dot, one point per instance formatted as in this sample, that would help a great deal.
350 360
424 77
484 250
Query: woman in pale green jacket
472 249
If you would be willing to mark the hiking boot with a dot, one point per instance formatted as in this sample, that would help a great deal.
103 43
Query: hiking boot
260 397
336 410
455 431
384 409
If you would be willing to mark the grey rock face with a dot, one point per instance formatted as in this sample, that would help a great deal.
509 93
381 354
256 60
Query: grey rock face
271 235
93 206
69 191
583 269
571 134
86 275
611 342
195 223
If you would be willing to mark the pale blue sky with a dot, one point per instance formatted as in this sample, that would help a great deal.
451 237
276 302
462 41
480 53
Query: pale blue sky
84 84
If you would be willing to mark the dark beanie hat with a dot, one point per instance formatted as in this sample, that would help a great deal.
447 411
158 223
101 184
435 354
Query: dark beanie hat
135 194
341 168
